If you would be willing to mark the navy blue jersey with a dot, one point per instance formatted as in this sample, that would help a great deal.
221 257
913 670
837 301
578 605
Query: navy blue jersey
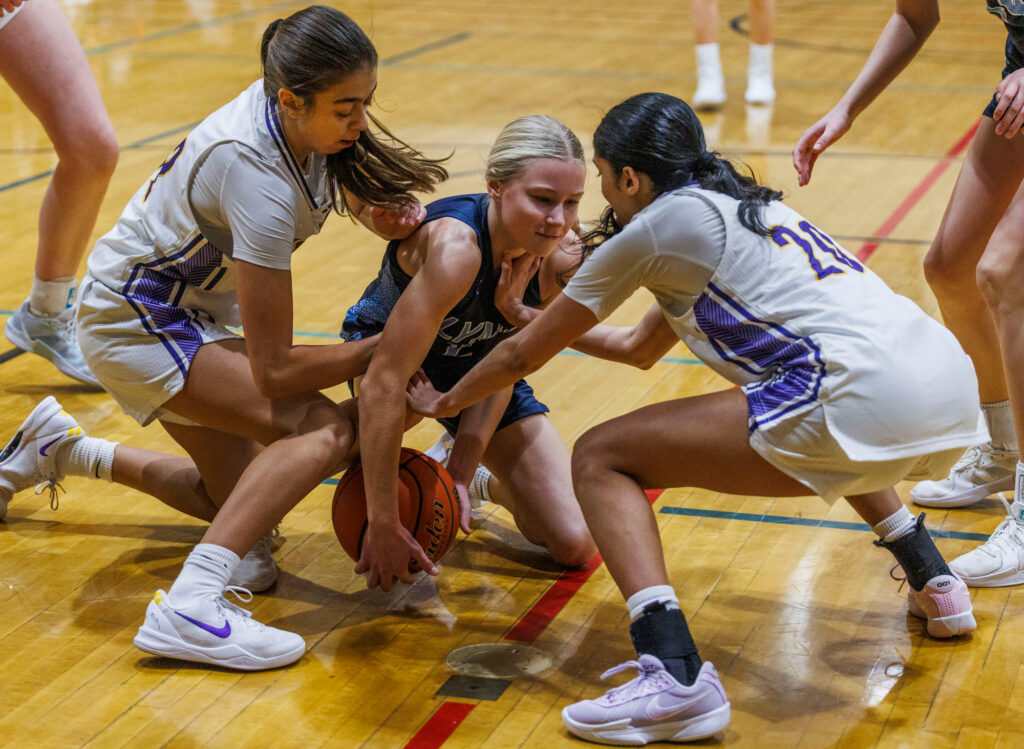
471 328
1012 14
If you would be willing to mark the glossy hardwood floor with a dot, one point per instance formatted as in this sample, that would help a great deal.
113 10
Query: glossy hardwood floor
809 632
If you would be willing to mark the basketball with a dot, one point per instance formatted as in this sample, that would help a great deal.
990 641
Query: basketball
427 506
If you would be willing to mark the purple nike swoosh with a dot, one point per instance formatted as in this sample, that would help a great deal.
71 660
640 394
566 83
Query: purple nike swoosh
47 446
221 632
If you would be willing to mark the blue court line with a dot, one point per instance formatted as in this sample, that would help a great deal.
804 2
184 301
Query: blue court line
785 520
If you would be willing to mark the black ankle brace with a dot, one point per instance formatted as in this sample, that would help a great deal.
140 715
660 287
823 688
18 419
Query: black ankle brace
917 555
664 634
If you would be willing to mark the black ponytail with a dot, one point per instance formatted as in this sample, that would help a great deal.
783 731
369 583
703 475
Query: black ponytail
660 136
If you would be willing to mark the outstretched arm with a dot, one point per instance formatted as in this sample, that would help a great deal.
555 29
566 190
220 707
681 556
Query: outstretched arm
911 24
394 222
551 331
641 345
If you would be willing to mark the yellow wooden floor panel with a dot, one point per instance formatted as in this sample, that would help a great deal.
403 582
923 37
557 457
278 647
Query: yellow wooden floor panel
810 634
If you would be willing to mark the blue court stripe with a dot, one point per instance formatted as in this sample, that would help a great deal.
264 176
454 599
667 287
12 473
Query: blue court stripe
785 520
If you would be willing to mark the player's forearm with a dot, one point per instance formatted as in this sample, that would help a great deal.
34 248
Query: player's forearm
900 41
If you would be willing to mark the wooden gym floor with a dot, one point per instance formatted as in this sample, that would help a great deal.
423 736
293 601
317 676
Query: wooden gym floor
790 601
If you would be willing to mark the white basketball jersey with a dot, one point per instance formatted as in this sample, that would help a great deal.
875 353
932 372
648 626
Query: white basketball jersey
157 256
795 320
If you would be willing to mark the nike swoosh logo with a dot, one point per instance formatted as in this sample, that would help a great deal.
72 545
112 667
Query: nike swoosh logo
657 711
222 632
47 446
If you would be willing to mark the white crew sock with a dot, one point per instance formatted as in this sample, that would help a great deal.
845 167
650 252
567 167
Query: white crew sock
640 600
999 417
760 60
206 573
708 58
89 457
899 524
50 298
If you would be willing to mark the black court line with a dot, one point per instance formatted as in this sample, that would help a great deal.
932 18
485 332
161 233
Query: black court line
8 355
975 58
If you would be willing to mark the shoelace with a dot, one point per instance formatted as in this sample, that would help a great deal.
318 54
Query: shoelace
52 485
242 594
648 679
1005 534
901 580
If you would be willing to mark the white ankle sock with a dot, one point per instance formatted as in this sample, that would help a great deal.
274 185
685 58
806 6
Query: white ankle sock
637 602
479 486
999 418
89 457
206 572
708 59
760 58
50 298
899 524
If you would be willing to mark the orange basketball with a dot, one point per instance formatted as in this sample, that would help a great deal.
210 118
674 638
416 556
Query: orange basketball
427 505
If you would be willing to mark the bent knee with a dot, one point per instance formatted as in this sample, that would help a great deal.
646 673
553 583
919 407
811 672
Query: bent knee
573 550
949 272
592 452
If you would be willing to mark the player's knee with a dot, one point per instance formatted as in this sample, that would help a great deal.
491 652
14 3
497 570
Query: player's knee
590 455
995 280
946 272
328 435
574 547
91 150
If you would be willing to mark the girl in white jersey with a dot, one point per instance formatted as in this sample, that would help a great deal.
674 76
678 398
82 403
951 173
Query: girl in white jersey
846 388
204 244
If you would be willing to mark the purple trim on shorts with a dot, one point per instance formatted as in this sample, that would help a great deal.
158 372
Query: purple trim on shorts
790 366
155 289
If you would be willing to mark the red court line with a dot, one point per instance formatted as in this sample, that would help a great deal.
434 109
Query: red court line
868 249
553 601
440 725
449 715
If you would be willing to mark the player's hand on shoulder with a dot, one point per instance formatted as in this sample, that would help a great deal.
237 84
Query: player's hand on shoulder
816 139
387 549
1009 112
398 221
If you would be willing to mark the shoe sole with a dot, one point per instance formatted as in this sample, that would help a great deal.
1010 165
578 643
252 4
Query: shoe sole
257 585
944 627
229 656
15 336
966 498
994 580
621 733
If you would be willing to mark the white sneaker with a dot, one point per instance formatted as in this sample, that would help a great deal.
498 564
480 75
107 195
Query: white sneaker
30 458
1000 560
980 473
760 86
710 93
52 338
257 570
213 630
946 604
652 707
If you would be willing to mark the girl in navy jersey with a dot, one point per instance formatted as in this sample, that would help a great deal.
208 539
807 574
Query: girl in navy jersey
845 389
437 301
205 244
975 269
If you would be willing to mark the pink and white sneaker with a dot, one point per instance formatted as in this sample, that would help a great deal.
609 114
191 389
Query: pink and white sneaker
946 603
652 707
